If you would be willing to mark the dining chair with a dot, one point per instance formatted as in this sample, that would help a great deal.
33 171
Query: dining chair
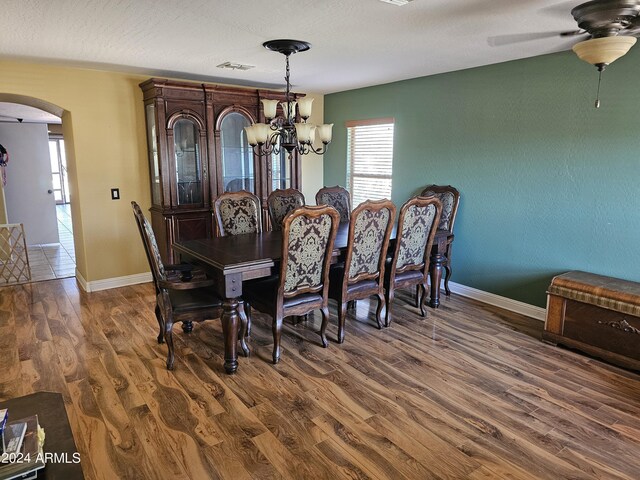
183 294
308 234
409 263
450 198
338 198
362 274
238 213
280 202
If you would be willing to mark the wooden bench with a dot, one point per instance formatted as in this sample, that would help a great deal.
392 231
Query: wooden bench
595 314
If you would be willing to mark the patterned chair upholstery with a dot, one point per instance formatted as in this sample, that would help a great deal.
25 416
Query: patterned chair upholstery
409 264
187 298
450 198
362 274
280 202
303 284
238 213
338 198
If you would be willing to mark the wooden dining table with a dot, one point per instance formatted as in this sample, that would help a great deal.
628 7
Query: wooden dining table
231 260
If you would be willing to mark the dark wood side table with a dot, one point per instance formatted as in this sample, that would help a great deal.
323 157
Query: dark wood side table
52 416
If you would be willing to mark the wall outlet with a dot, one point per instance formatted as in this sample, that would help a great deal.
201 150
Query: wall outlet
115 194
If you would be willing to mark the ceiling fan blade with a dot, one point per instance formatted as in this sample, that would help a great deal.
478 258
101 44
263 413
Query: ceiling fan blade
561 9
501 40
573 33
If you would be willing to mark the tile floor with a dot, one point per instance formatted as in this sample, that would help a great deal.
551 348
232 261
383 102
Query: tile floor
55 260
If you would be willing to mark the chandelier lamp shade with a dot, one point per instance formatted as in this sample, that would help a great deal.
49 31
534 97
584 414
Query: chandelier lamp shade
283 132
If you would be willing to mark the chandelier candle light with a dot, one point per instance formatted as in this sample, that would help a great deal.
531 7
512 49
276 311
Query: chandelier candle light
284 132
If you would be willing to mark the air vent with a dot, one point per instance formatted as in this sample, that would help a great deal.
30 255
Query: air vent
399 3
235 66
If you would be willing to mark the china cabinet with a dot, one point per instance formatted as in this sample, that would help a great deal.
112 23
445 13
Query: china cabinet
198 149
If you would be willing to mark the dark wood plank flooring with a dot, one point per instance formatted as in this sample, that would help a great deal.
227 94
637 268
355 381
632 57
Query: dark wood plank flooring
468 392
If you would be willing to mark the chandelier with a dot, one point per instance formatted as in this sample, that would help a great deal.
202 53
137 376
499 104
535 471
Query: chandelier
283 132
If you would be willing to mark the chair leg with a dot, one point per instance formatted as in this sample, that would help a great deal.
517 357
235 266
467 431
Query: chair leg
418 295
242 333
277 331
379 310
342 313
389 294
351 304
323 327
164 304
447 275
161 323
247 311
423 298
187 326
168 335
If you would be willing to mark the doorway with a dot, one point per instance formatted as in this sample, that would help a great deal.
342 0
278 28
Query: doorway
58 168
37 191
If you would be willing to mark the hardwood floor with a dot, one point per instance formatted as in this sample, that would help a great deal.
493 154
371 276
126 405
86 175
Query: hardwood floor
469 392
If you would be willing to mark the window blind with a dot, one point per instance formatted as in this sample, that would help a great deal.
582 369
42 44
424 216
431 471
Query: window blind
369 159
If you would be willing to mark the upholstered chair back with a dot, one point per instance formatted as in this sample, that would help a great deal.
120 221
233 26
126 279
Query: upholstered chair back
280 202
450 198
338 198
417 225
369 231
307 245
238 213
150 244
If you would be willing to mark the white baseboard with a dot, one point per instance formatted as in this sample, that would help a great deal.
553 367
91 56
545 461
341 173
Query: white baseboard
116 282
522 308
81 281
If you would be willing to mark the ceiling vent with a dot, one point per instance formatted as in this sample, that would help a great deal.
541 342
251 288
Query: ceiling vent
399 3
235 66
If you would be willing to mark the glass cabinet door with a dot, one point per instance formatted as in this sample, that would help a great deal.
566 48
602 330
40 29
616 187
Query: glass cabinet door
152 145
237 155
188 162
280 171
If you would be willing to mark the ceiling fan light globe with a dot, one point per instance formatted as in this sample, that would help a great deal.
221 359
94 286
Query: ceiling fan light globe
603 50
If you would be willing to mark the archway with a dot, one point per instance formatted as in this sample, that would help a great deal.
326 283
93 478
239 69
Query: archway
60 257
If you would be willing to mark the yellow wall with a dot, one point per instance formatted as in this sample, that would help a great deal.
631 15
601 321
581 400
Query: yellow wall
104 131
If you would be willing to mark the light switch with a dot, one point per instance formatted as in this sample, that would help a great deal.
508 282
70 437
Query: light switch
115 194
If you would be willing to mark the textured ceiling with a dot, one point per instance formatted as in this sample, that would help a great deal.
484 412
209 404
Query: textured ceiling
355 43
14 112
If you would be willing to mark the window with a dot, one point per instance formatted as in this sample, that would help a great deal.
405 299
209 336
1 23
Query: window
369 159
59 169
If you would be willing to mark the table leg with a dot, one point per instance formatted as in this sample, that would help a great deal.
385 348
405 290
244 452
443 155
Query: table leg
230 324
435 275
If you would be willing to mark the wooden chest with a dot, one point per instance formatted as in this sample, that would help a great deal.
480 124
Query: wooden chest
595 314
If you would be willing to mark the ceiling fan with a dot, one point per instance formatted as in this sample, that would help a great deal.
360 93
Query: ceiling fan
610 28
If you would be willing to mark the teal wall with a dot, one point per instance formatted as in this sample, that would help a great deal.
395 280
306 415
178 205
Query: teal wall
548 183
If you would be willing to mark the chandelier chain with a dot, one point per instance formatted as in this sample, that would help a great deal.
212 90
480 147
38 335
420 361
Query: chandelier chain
286 79
281 133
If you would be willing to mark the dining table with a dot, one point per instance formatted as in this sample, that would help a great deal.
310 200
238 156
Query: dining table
232 260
